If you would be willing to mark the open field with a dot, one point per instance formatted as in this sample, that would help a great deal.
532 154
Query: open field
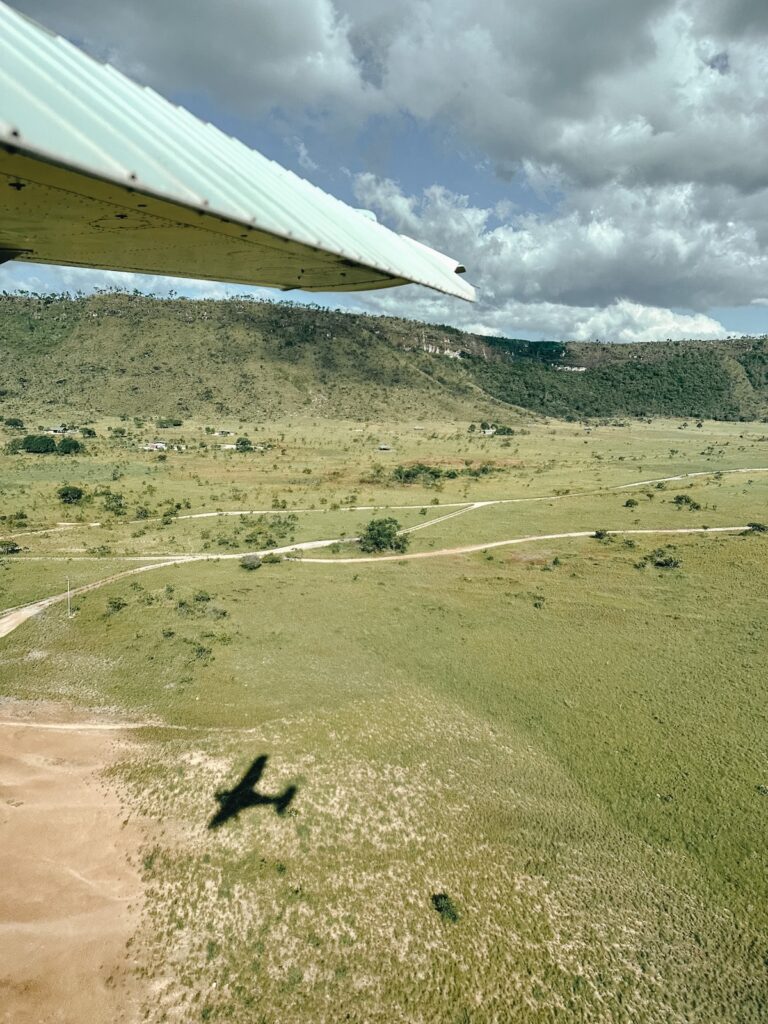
531 781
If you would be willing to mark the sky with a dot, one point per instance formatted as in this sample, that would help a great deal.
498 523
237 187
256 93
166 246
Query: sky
599 166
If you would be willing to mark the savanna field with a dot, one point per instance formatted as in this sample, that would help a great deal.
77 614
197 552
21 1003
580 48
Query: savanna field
530 779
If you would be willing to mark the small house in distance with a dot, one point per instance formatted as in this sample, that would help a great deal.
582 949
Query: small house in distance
385 448
155 446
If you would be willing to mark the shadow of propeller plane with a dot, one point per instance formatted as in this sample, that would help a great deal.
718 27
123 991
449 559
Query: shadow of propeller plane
233 801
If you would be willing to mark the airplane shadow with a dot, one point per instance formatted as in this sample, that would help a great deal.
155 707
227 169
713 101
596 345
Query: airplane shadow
233 801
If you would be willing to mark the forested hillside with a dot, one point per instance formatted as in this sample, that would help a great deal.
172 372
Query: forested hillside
135 355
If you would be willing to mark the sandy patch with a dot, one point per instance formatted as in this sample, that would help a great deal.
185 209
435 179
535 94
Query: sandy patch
69 899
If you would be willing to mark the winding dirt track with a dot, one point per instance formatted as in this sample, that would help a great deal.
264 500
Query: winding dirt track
461 505
471 548
12 618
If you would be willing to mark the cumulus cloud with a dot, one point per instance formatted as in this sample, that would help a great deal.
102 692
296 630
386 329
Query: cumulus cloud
652 246
586 271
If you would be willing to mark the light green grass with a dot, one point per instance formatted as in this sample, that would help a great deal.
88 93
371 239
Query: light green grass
571 747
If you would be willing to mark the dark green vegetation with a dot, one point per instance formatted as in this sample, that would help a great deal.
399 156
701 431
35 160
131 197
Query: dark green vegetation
132 355
383 535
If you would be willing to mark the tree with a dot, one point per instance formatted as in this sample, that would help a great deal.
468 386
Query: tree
243 444
630 503
70 495
88 432
383 535
38 444
14 423
69 446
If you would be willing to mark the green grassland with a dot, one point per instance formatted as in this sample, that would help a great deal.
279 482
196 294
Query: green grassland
565 739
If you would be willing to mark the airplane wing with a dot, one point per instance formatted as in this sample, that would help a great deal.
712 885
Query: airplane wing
97 171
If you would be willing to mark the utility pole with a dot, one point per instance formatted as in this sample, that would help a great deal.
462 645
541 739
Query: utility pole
69 600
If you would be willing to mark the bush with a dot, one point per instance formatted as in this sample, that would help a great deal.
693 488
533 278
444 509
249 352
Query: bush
114 502
69 446
9 547
757 527
88 432
383 535
630 503
445 907
601 535
70 495
14 423
243 444
271 559
39 444
250 562
686 500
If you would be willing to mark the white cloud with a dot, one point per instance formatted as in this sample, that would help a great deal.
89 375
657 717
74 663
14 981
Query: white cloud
600 271
658 247
621 321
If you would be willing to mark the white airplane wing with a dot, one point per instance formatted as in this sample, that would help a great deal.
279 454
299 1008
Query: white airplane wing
97 171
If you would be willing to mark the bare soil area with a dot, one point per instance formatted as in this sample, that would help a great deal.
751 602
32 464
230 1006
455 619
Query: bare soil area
69 898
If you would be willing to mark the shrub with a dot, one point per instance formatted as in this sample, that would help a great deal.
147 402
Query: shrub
686 500
70 495
250 562
601 534
630 503
9 547
271 559
14 423
384 535
88 432
445 907
69 446
114 502
39 444
243 444
757 527
115 604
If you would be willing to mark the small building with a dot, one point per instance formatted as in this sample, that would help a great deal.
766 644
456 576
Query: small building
489 431
228 447
385 447
155 446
